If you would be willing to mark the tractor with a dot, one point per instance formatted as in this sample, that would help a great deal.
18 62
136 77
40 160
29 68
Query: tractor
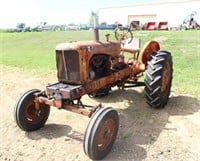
94 68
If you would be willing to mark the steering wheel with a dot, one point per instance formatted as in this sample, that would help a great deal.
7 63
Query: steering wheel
123 33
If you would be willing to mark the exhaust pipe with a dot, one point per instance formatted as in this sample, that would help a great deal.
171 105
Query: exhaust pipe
96 30
96 34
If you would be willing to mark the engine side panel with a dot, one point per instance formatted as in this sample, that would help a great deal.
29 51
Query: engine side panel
73 59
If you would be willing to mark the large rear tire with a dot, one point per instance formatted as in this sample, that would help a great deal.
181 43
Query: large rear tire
158 79
101 133
27 117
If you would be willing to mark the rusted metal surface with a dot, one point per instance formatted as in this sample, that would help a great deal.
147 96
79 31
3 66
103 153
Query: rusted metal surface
149 48
67 91
31 113
98 65
58 92
137 68
93 47
106 134
84 58
73 59
165 77
51 102
93 66
79 108
106 81
64 91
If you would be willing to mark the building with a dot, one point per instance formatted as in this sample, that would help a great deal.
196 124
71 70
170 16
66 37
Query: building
171 11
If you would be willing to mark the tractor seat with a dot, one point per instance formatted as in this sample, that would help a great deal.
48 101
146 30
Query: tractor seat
131 47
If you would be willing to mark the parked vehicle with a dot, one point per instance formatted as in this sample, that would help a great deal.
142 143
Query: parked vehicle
190 22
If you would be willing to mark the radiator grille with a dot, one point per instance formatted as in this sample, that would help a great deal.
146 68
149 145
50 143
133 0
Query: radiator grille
68 67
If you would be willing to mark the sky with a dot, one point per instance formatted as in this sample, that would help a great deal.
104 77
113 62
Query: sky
31 12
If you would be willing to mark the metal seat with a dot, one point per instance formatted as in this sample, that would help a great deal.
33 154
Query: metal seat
132 47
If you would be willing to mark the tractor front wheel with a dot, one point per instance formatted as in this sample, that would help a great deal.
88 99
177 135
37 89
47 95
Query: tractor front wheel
101 133
27 116
158 79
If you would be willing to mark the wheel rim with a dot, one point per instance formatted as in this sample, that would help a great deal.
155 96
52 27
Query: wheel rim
31 113
165 78
106 134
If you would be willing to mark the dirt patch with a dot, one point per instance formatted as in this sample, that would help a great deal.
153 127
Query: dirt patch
171 133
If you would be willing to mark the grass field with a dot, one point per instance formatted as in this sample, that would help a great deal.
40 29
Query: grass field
35 51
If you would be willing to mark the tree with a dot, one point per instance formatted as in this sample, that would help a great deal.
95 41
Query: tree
27 29
20 27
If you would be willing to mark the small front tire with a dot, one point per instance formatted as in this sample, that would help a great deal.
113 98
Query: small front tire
101 133
27 117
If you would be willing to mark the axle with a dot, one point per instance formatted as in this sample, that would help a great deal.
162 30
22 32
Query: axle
76 108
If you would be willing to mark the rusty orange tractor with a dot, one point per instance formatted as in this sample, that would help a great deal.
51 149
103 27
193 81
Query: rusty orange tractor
93 68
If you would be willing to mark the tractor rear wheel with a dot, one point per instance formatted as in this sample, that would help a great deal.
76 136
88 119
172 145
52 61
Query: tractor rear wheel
158 79
101 133
27 117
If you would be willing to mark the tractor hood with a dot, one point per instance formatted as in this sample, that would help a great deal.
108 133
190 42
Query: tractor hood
94 47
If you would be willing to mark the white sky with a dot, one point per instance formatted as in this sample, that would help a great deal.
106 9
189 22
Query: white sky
31 12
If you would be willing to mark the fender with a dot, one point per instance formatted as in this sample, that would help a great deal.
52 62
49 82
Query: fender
149 48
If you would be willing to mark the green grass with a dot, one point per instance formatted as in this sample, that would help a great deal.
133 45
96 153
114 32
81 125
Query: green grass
36 51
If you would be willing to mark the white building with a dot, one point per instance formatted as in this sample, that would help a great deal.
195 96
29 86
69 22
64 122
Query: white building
174 12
